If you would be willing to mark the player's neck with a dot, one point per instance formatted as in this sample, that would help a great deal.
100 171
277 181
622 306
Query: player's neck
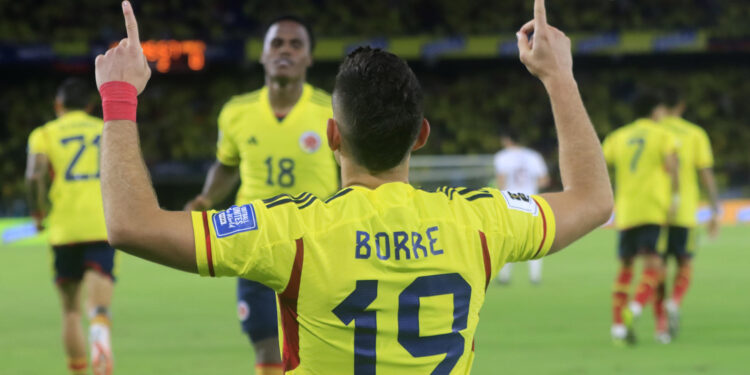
284 94
354 174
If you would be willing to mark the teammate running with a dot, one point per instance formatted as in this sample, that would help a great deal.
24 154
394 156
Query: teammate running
695 160
368 280
522 170
67 150
643 156
272 139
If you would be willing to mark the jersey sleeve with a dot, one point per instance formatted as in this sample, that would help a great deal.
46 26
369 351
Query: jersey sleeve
226 149
37 142
248 241
704 157
519 227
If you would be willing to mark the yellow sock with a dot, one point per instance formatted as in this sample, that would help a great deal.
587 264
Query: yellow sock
78 366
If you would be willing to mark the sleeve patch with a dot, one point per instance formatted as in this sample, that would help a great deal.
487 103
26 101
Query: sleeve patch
520 202
235 220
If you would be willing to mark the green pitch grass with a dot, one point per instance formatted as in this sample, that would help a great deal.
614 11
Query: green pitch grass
168 322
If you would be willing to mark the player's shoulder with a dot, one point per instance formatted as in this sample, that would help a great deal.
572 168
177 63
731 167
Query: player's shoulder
464 194
242 100
320 97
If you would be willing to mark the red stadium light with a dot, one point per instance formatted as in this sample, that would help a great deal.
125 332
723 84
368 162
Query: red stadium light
164 52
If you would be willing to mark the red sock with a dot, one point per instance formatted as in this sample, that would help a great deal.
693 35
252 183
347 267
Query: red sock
647 286
620 294
681 283
660 315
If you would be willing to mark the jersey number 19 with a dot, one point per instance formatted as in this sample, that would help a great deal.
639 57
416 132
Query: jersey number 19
354 307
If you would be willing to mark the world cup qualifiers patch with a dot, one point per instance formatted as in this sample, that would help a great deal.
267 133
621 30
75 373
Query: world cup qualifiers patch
520 202
310 142
235 220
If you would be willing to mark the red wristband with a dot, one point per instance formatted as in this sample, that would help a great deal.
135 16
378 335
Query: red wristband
119 100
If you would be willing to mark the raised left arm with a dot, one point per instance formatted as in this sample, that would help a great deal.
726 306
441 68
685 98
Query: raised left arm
135 222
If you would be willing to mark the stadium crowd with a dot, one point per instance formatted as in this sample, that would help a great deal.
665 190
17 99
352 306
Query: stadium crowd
53 21
466 101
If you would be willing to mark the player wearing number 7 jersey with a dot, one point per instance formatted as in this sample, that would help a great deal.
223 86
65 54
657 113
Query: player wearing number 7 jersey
643 156
68 149
274 140
382 277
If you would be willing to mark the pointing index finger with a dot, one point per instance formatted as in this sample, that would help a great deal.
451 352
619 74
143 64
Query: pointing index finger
131 25
540 14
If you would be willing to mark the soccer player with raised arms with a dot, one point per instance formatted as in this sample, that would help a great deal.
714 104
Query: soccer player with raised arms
273 139
68 149
382 277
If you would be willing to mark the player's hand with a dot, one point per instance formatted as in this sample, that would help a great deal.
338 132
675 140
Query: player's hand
125 62
547 53
199 203
713 226
38 220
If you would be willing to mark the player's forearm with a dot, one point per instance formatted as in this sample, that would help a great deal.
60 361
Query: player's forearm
582 165
135 223
126 187
586 186
220 181
709 183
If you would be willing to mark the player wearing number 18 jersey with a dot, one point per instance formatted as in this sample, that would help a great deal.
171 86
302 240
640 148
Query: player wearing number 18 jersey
274 139
382 277
69 146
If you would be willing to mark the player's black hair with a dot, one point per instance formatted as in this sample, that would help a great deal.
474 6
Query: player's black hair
380 104
646 99
75 93
295 19
509 132
671 96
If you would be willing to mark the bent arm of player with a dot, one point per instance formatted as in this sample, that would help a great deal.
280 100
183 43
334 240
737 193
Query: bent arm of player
220 181
37 175
586 200
135 222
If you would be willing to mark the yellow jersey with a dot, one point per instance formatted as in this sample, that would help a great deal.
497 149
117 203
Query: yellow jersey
386 281
638 152
694 153
278 156
71 143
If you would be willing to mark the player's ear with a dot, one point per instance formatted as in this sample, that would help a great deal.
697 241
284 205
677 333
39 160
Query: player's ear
333 135
424 133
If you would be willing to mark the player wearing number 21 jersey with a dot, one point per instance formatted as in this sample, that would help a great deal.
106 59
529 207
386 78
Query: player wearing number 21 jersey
68 149
408 264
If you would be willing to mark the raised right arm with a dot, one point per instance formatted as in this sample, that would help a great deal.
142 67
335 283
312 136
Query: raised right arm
586 200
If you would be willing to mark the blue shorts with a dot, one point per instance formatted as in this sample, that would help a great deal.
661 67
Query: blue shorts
639 240
256 308
680 242
71 261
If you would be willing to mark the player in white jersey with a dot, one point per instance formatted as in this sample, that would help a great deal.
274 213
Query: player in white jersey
522 170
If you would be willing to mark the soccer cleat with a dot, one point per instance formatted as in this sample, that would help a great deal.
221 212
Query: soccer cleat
628 319
101 360
101 354
663 338
673 314
620 336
